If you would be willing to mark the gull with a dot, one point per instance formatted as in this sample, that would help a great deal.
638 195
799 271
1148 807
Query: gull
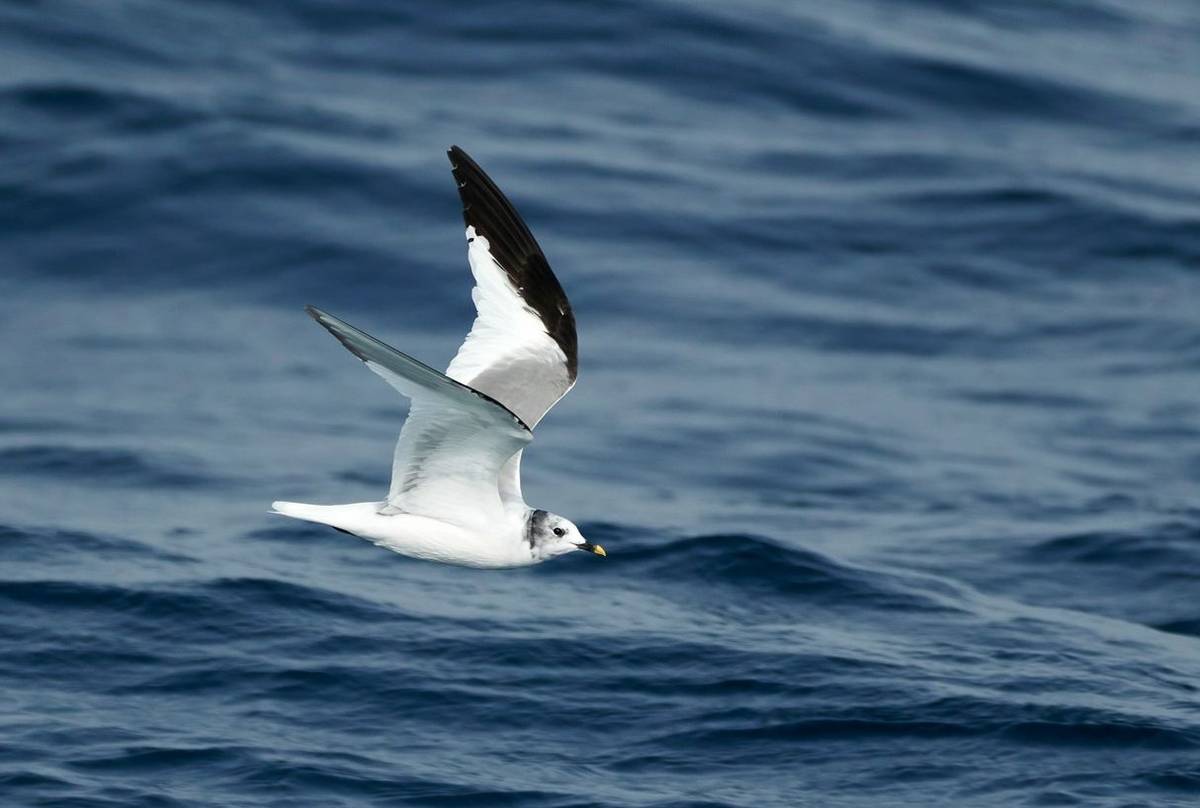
455 495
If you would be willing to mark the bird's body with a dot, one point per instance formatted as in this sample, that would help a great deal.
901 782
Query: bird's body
455 495
500 545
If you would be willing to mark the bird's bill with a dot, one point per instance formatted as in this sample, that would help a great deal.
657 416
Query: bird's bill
592 548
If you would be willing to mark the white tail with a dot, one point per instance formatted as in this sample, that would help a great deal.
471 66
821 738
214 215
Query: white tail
352 518
297 510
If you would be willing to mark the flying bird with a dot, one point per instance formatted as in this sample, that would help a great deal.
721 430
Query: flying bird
455 495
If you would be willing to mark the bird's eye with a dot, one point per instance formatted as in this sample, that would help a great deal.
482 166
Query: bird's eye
558 531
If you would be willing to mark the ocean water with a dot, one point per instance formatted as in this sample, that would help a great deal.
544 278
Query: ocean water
888 411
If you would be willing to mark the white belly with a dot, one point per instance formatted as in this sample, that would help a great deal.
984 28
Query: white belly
420 536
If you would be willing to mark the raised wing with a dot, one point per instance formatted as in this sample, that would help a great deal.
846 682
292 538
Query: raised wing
454 443
522 349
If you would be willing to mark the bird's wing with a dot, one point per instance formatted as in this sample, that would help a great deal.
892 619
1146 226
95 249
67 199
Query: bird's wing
522 347
454 444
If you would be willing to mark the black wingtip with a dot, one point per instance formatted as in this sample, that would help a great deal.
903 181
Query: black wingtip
512 245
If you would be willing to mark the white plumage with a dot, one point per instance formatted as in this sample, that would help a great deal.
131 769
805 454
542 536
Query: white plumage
455 494
508 353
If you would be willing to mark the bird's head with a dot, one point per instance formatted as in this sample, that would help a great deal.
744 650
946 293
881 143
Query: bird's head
551 535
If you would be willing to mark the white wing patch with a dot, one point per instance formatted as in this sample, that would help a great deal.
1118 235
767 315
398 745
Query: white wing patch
447 462
508 355
454 443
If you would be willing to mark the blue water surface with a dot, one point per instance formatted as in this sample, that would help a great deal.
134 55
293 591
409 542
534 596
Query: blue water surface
888 412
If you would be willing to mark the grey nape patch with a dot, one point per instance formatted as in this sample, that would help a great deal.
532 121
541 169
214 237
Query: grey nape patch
535 526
